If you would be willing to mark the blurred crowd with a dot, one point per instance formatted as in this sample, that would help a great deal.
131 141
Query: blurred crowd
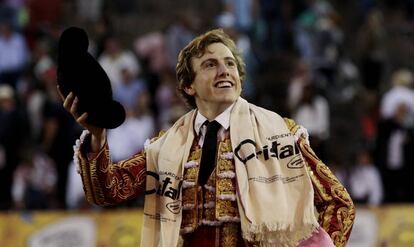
342 69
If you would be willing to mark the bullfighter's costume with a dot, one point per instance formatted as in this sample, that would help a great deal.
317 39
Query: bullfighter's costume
264 190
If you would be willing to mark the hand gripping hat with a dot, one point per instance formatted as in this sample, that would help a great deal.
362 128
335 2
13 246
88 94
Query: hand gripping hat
80 73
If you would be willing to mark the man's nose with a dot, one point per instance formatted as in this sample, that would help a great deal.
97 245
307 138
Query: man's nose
223 70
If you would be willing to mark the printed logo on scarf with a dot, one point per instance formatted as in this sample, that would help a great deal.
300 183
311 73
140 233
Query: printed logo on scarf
167 188
247 150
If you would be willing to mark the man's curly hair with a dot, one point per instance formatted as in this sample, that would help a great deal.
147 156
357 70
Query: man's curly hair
196 48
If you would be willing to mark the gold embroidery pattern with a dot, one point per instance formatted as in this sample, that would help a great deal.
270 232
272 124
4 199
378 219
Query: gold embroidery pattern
292 126
125 186
226 208
226 205
229 234
136 159
336 209
345 214
120 187
85 172
216 207
190 195
98 194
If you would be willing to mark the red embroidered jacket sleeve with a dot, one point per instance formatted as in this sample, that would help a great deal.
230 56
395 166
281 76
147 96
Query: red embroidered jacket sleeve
333 203
107 183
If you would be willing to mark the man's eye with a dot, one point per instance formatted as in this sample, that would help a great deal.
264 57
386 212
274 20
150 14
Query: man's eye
231 63
210 65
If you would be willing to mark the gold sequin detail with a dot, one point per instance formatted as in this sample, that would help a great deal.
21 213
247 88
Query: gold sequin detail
225 185
191 174
209 214
225 165
225 146
195 155
210 196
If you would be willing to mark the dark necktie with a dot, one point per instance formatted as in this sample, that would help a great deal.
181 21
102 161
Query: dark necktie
208 153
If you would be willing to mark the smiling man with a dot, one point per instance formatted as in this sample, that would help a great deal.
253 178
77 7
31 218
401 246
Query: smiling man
216 84
228 173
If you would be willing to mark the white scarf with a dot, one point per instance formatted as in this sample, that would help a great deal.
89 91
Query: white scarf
274 193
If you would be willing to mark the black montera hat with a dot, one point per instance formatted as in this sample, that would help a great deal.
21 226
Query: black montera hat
80 73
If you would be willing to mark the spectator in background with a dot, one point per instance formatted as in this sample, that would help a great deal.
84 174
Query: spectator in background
15 11
12 133
244 12
364 181
14 54
34 181
167 101
129 89
312 111
114 59
370 49
43 14
32 85
275 19
177 35
396 137
151 48
58 133
89 11
318 38
395 145
301 76
401 92
139 125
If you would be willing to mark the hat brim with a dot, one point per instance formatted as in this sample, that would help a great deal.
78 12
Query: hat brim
109 115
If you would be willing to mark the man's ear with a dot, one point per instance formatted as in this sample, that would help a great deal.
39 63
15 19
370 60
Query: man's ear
190 90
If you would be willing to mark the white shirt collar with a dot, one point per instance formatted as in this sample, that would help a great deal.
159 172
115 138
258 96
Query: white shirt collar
223 119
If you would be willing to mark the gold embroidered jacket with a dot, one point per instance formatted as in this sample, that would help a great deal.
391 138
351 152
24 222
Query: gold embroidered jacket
107 183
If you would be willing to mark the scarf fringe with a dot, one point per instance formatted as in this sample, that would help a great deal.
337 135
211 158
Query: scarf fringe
279 234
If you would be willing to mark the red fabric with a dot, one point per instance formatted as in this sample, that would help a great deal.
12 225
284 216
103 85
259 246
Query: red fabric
204 236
